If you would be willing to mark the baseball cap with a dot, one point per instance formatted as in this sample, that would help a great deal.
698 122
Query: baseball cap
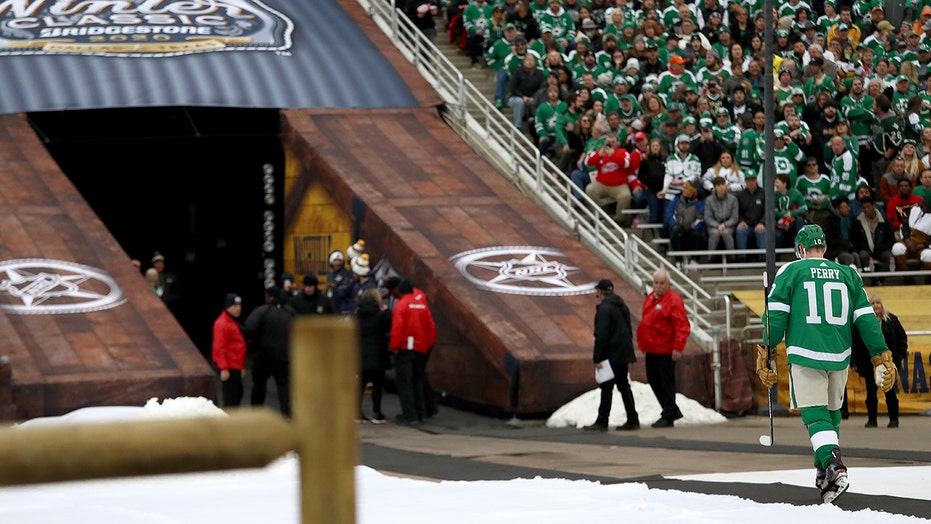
605 285
926 10
885 25
778 133
676 59
640 135
705 123
509 26
842 26
901 78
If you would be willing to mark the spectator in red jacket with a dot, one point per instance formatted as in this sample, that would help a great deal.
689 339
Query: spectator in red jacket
229 350
617 171
664 329
413 333
898 207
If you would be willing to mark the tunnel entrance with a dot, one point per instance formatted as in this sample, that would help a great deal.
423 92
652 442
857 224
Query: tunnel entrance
187 182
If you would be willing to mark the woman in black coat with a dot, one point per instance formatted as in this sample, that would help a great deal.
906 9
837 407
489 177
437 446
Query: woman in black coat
652 173
374 331
897 341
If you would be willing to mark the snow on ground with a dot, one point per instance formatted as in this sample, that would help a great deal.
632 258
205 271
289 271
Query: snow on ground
271 494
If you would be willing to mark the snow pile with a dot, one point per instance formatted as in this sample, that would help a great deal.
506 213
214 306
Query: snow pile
180 407
170 408
583 410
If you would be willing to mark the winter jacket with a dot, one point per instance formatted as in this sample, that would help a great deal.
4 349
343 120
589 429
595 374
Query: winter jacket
412 326
229 346
316 304
750 208
613 335
720 211
526 82
664 327
269 327
652 172
895 337
616 169
374 328
338 290
883 236
685 214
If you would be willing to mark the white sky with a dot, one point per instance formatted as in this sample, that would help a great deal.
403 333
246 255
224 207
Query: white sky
270 494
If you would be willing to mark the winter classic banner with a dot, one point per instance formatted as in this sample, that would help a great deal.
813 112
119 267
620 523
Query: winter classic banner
149 28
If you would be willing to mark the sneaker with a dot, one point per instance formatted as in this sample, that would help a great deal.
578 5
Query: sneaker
596 427
630 425
499 104
835 478
379 419
870 423
893 423
663 423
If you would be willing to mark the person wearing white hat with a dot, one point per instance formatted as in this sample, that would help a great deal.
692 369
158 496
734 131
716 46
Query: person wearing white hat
363 282
339 282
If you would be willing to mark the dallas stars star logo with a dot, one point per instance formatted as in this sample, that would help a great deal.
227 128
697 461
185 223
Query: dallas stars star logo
40 286
522 270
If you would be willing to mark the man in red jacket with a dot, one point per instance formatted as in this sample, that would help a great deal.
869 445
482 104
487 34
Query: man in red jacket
617 170
663 331
229 350
413 333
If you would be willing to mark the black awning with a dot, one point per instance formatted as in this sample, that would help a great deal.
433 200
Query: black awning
63 55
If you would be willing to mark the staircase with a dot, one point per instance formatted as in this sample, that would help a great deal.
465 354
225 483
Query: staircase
483 79
469 109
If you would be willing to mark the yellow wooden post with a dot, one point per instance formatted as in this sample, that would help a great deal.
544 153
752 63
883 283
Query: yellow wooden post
247 439
325 401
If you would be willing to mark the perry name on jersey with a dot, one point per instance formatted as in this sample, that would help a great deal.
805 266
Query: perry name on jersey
825 300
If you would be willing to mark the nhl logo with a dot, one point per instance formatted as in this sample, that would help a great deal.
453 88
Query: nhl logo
36 286
521 270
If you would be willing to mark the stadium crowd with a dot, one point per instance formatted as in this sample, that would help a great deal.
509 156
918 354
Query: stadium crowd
658 105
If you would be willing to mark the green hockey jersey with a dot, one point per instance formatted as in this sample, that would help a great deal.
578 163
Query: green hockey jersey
813 304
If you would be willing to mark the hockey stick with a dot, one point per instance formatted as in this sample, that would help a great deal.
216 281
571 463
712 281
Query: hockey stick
767 440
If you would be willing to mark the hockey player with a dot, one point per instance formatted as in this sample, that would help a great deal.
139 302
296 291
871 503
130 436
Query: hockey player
812 303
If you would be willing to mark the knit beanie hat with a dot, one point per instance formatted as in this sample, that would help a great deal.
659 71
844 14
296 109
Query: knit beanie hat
336 255
231 298
356 249
360 265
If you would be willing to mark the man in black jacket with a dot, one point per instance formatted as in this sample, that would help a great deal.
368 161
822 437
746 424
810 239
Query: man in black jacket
872 237
614 346
269 328
525 82
750 215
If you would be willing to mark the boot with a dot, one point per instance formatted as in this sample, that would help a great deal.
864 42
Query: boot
901 262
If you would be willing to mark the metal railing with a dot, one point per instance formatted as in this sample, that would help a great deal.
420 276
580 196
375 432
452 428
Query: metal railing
516 157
